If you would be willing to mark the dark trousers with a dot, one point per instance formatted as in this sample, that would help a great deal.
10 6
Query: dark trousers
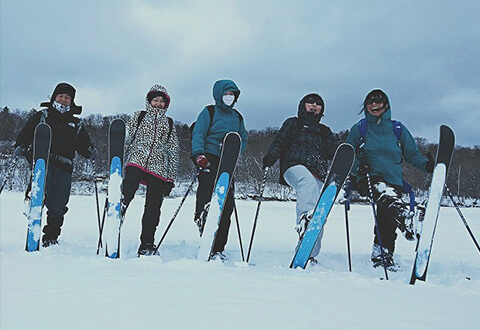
153 200
391 210
57 195
206 182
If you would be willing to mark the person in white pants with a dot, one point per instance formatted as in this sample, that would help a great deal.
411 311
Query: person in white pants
308 189
304 147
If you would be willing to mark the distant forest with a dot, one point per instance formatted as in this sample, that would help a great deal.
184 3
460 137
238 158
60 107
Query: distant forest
463 179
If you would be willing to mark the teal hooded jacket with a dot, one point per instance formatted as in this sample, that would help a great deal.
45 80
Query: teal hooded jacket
208 138
382 150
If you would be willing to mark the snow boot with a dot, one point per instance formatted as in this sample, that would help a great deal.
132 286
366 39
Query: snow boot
218 256
46 242
146 249
380 258
312 261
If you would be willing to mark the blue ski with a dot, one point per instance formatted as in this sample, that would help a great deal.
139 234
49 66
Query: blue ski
41 151
226 167
113 220
341 165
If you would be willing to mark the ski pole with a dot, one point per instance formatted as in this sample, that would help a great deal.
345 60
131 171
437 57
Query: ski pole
177 210
347 208
462 217
9 173
370 191
98 206
260 197
238 228
96 198
100 229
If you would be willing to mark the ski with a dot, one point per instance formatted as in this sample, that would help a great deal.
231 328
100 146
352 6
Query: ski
113 220
226 167
41 151
427 225
341 165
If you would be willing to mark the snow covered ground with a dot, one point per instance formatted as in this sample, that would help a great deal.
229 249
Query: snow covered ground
69 287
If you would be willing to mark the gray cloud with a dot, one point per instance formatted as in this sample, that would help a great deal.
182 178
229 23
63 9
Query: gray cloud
423 55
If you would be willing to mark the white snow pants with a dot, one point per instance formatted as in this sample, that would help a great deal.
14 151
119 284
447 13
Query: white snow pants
308 189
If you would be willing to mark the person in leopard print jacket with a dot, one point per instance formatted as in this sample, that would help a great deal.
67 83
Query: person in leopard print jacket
152 152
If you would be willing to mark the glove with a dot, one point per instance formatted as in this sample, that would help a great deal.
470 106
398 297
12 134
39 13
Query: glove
363 168
268 160
20 151
168 188
202 161
429 166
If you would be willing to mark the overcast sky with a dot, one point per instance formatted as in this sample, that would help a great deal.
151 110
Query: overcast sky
424 54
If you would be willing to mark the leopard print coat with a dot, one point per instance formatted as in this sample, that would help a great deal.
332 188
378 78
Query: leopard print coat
151 149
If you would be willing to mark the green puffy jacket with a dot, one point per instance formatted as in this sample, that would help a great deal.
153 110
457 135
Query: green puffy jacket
382 150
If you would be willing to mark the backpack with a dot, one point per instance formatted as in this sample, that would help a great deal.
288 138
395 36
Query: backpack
397 130
211 112
363 125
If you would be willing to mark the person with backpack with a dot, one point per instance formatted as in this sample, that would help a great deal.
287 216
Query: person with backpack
381 145
211 127
151 158
68 137
304 147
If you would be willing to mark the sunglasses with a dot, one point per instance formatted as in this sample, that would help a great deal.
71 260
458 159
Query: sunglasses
313 100
376 99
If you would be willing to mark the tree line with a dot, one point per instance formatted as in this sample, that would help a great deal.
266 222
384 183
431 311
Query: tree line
463 179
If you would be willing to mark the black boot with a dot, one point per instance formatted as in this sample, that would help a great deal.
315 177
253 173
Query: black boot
46 242
146 249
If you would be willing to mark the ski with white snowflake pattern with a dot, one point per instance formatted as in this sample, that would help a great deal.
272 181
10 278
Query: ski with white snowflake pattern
41 152
341 165
226 168
113 220
426 227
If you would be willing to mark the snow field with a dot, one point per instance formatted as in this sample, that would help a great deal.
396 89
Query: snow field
69 286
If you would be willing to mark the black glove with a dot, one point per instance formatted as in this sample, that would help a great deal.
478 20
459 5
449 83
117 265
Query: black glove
363 168
168 188
20 151
430 165
268 160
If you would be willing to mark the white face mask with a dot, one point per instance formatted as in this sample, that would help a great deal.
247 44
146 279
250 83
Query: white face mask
228 99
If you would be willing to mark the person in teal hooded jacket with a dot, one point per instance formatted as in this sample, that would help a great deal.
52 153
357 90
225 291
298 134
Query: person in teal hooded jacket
207 139
380 156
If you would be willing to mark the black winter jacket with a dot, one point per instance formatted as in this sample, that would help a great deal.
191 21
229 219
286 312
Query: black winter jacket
304 141
68 136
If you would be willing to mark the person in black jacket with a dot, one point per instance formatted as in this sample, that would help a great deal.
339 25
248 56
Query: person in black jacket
304 147
68 136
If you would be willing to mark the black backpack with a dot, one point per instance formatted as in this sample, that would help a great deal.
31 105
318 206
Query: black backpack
211 112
